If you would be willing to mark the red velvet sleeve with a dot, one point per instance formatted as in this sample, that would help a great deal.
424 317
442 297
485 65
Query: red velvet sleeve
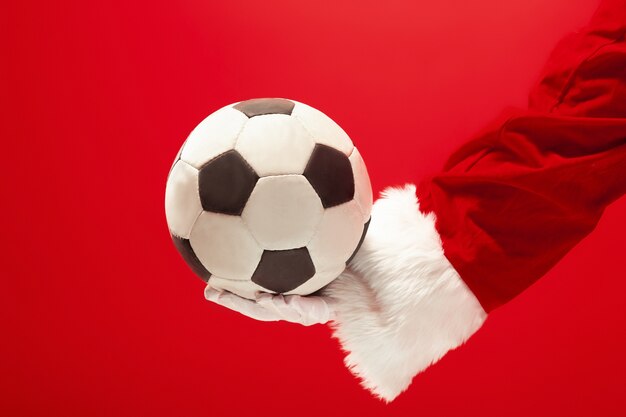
511 202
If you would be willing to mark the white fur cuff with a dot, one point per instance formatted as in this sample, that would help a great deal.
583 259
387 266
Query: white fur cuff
401 305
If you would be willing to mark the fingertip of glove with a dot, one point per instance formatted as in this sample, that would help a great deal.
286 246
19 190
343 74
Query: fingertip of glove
212 294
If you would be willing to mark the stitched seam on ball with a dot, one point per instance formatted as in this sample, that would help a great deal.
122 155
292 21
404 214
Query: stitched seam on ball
317 226
249 229
304 127
230 279
315 140
239 134
358 205
282 175
187 163
356 200
191 230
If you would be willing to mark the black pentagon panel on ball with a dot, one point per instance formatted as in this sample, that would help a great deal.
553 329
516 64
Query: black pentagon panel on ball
184 248
261 106
330 173
365 227
225 183
283 270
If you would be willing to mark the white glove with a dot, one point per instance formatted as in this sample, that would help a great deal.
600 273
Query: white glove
305 310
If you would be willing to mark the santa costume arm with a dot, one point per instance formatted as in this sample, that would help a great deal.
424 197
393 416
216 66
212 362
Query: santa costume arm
507 206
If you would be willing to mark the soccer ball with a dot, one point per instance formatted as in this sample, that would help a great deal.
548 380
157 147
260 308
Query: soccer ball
268 195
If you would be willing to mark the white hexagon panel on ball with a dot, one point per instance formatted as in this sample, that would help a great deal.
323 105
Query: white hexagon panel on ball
283 212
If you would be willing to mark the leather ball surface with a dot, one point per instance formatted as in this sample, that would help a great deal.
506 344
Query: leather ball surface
268 195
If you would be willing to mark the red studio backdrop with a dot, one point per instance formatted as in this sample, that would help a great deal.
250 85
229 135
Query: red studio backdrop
99 314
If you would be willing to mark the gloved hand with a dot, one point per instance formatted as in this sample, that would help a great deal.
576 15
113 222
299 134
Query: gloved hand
305 310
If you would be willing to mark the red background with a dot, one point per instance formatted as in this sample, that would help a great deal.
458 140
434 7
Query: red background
101 317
